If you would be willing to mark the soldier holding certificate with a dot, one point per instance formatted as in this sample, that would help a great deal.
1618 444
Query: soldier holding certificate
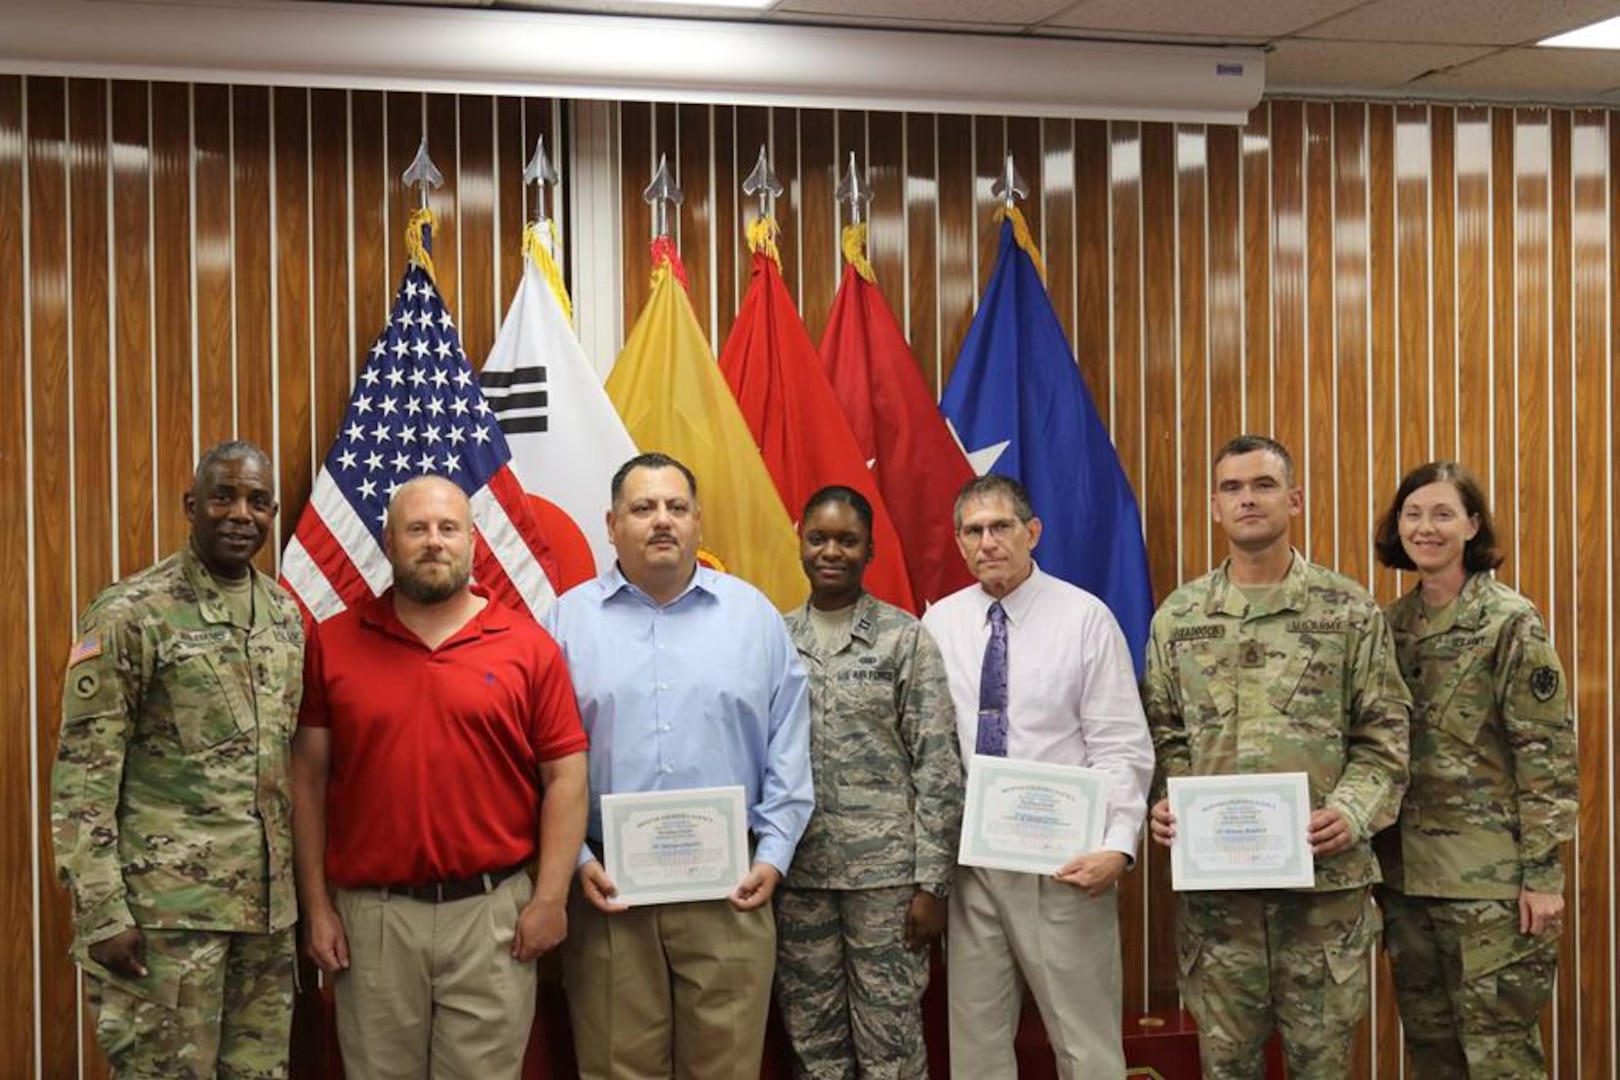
1270 664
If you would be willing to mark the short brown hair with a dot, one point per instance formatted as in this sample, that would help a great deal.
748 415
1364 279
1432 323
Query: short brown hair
1248 444
1480 553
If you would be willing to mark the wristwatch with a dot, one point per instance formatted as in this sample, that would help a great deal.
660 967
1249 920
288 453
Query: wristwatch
939 890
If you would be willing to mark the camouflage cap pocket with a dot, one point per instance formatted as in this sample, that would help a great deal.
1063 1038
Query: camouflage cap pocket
1488 949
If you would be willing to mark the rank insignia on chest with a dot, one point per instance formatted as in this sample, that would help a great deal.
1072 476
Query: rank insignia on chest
1252 655
1544 683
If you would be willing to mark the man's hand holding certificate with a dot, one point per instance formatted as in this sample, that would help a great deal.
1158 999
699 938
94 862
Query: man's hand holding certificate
1030 816
1239 832
670 846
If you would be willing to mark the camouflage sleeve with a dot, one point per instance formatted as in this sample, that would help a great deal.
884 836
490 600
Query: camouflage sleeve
1161 701
928 729
99 702
1540 730
1369 790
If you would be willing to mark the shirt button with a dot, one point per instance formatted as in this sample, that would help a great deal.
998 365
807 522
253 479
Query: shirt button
669 768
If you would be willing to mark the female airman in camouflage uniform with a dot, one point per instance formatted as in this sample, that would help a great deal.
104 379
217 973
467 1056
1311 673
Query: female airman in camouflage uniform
865 895
1473 887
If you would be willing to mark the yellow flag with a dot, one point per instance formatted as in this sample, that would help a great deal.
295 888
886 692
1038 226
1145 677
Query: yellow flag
672 397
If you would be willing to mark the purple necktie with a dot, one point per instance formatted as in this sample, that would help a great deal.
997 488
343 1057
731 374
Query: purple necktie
992 738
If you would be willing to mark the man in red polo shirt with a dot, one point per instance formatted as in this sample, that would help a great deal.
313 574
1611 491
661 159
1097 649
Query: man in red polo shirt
439 746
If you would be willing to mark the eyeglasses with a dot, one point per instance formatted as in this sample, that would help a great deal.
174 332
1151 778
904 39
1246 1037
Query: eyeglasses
1000 531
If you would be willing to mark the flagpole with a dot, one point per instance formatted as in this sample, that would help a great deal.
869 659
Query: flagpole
540 172
661 194
854 191
763 182
422 173
1009 186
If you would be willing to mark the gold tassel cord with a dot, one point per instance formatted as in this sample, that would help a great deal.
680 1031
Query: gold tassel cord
762 238
854 243
534 246
421 218
1021 234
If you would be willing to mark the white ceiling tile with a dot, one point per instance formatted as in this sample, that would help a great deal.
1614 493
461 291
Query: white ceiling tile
1304 65
1483 22
1246 20
1532 73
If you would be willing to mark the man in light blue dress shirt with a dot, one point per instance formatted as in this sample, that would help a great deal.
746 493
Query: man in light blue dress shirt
686 678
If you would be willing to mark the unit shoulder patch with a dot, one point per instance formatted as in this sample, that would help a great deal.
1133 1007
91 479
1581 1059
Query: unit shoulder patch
1544 682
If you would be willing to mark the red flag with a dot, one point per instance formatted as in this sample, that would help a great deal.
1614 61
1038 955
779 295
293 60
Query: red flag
919 465
772 368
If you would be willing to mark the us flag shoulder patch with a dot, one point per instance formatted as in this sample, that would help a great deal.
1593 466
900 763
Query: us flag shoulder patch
86 648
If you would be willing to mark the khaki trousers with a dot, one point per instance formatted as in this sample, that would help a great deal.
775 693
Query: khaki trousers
669 990
432 989
1009 931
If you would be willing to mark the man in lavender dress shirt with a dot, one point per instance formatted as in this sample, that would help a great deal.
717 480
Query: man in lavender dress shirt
686 678
1038 671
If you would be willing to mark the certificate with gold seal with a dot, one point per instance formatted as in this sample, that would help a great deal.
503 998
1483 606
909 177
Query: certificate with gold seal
1029 815
663 847
1241 832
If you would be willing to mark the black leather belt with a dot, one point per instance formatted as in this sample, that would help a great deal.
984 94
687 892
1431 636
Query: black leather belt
444 892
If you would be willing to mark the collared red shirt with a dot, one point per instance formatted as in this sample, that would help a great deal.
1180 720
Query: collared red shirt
435 753
704 691
1071 688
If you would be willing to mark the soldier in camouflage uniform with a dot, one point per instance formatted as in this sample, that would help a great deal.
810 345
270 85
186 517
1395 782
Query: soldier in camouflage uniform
866 893
1273 664
170 794
1473 885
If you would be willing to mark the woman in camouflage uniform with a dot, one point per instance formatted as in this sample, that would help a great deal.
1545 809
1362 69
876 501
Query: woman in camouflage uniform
1473 885
865 896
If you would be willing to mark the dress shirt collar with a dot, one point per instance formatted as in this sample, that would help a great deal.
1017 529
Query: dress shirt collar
1017 603
615 584
1227 598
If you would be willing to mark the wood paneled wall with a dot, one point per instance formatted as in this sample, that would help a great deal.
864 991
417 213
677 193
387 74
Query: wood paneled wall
185 264
1377 284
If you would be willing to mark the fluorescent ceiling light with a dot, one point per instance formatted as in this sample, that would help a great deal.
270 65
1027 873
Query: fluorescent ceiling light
1600 35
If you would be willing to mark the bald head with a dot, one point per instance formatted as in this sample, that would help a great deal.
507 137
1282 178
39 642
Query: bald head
429 539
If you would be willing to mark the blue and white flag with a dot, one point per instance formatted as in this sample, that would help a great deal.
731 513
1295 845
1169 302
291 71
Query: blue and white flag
1020 408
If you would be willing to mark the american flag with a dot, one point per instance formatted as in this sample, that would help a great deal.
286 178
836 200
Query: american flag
417 410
